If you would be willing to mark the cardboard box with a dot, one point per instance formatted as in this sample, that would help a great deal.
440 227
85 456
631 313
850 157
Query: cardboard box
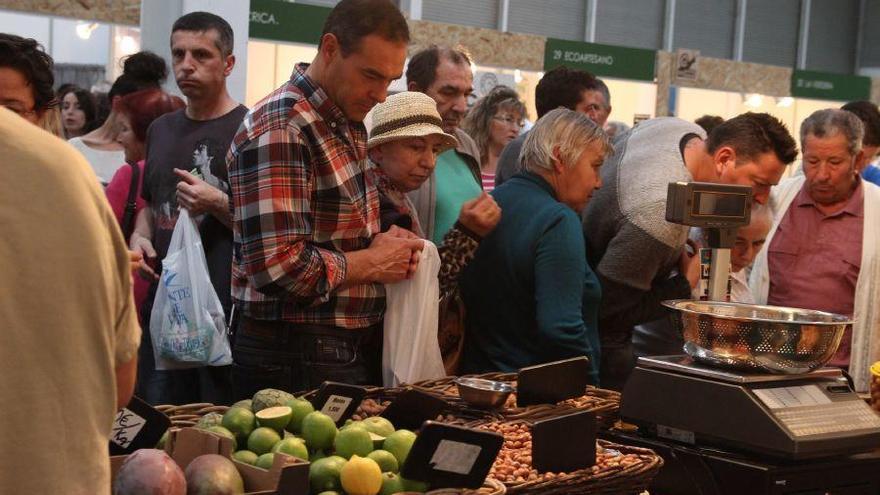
288 475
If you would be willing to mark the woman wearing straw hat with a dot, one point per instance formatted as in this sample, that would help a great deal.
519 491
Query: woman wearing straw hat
405 140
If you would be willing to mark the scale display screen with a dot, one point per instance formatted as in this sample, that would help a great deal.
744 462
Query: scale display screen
806 410
720 205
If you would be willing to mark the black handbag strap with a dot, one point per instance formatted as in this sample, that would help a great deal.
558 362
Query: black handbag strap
131 202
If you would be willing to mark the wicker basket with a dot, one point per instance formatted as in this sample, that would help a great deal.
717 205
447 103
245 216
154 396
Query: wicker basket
605 403
619 469
377 399
490 487
189 414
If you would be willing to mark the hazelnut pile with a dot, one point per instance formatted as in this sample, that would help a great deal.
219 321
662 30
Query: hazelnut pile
514 462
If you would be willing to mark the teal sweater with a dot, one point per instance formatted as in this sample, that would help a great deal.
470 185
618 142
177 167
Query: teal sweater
530 296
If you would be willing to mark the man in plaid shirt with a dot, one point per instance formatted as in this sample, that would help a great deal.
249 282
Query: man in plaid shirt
310 263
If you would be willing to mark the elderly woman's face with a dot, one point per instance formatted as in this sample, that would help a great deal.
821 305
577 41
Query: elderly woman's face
575 184
504 127
829 168
408 162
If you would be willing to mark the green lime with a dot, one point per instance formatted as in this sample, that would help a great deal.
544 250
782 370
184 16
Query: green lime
241 422
318 430
379 425
245 404
293 446
386 461
262 440
324 474
399 443
301 408
223 432
353 441
391 484
274 417
245 456
265 461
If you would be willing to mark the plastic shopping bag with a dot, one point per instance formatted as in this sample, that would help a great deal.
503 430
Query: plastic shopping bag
187 324
411 352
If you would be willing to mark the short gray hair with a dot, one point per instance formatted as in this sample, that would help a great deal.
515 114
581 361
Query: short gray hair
565 129
831 122
761 213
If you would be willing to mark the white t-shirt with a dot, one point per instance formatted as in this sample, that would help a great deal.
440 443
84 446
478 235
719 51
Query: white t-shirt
67 312
105 163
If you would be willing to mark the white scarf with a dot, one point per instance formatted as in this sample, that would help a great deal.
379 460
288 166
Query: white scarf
866 313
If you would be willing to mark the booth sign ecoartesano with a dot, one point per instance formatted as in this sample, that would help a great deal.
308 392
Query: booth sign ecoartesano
284 21
828 86
601 60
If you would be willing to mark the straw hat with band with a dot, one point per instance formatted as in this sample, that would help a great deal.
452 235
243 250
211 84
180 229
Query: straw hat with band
405 115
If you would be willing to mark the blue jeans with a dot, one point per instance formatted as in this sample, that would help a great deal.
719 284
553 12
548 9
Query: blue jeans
297 358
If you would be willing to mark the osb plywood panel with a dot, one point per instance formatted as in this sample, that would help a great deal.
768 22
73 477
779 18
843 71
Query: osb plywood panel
744 77
487 46
112 11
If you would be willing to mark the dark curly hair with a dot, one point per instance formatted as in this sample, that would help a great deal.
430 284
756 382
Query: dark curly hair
564 87
28 57
141 70
868 113
752 134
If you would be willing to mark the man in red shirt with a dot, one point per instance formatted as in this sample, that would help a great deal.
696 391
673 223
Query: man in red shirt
821 253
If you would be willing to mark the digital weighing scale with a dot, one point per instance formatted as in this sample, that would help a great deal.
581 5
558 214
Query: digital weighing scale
722 431
785 416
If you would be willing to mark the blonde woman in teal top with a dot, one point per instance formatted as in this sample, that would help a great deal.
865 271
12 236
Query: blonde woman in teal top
530 296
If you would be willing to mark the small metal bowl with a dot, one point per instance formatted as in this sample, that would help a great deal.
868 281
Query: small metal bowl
485 394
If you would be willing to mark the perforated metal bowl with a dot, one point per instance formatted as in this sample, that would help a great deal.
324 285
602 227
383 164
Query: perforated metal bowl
758 338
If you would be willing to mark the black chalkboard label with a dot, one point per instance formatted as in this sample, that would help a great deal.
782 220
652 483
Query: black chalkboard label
552 382
137 426
338 400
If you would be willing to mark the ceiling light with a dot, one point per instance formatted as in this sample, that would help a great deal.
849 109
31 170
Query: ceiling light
754 100
127 45
84 29
785 101
517 76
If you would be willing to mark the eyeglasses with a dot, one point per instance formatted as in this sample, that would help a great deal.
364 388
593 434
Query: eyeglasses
518 123
18 108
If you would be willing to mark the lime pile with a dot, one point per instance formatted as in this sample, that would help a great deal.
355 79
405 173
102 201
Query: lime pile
361 458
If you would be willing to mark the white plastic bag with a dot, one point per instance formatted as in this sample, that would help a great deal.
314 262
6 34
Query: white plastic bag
187 324
411 352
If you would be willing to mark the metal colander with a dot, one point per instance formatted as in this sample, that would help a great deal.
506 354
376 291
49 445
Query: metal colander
758 338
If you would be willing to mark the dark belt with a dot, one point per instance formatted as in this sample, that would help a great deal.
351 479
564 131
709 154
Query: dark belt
270 329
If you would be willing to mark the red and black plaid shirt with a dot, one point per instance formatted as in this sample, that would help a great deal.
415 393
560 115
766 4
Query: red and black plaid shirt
301 199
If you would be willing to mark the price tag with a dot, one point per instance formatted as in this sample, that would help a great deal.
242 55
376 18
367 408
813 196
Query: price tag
412 408
126 426
448 456
552 382
137 425
338 400
564 444
455 457
335 406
